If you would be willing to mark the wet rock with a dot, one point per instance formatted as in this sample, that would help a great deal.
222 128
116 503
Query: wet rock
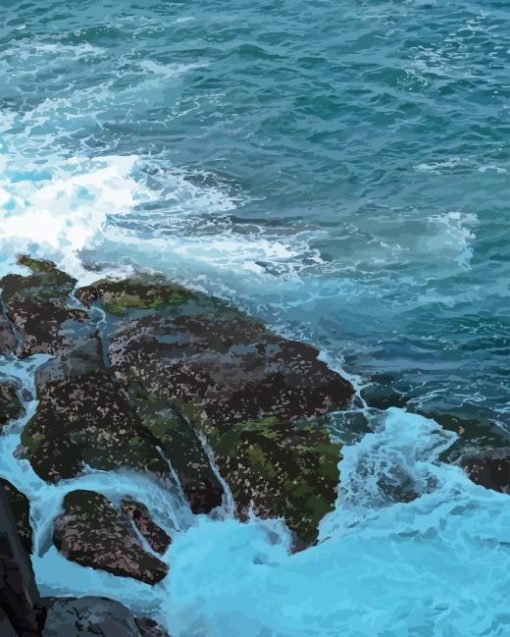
151 293
222 370
157 538
280 470
7 338
149 628
10 405
180 443
89 617
174 435
18 593
20 507
92 533
38 306
491 469
85 420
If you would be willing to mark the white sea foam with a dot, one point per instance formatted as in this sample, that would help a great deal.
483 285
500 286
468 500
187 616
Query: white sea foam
56 209
453 237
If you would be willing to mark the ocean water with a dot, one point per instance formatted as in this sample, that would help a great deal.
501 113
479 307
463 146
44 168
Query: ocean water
340 170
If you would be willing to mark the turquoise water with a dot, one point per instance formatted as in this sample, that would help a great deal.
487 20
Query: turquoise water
340 170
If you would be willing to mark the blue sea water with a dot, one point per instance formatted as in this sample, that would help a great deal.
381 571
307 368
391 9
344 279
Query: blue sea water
340 170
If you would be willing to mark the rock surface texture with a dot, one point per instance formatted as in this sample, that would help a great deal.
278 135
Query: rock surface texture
138 513
150 376
490 469
93 533
10 406
93 617
18 594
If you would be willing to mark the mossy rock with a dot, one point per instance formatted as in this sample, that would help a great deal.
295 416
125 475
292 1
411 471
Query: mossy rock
87 421
38 307
282 470
180 443
148 294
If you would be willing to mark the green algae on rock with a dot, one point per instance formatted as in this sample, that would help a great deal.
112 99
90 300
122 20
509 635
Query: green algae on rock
183 372
280 470
20 507
86 421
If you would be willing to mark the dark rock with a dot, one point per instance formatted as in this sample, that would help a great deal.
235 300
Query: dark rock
219 371
491 469
89 617
182 446
18 593
10 405
280 470
222 369
20 507
151 293
174 435
157 538
92 533
85 420
38 306
7 337
149 628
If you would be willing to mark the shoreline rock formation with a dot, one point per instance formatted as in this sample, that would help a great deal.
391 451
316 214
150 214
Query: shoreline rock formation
173 384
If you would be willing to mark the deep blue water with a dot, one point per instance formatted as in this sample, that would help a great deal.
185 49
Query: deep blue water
338 169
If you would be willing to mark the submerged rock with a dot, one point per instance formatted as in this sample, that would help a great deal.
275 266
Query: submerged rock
10 405
20 507
92 533
157 537
93 616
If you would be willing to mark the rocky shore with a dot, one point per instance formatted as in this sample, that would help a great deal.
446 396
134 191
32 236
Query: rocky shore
148 376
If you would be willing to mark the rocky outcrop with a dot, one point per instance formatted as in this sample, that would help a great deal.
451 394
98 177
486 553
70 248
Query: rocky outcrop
18 594
92 533
490 469
280 470
24 614
223 370
38 306
138 513
85 421
10 405
20 508
93 616
242 387
175 378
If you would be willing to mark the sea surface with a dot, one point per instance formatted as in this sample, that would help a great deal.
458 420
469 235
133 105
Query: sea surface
342 171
